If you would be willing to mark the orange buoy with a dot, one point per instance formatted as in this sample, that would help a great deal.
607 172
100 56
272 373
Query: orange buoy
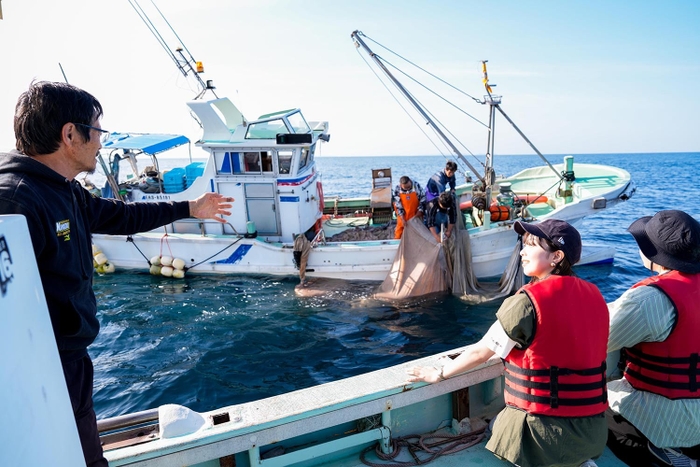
529 199
464 205
499 213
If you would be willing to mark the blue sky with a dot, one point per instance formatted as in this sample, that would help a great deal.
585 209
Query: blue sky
577 77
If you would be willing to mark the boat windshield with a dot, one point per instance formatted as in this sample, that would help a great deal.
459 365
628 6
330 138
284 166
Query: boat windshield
298 123
266 130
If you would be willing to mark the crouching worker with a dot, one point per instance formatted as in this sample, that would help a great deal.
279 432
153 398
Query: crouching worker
553 336
441 211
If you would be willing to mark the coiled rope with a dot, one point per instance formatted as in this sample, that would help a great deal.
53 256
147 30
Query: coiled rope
431 451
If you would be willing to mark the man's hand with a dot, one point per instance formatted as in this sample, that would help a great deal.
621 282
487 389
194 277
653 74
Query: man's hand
211 206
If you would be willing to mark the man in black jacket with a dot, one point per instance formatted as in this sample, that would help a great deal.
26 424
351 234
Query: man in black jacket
57 127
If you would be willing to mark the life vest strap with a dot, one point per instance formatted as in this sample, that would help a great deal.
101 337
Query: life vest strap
691 385
555 402
644 364
560 371
546 386
632 352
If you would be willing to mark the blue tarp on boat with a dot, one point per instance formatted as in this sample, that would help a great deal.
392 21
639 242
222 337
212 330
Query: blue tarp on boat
151 143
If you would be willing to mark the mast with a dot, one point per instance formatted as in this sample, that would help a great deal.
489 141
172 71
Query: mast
186 63
494 102
359 42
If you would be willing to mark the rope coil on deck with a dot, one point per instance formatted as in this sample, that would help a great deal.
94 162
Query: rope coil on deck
453 444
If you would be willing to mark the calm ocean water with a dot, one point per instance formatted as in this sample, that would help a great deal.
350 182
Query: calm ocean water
211 341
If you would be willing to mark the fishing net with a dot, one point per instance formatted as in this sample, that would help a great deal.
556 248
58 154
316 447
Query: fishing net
302 249
423 266
420 266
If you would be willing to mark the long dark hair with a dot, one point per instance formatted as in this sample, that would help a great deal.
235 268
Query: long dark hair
44 109
563 267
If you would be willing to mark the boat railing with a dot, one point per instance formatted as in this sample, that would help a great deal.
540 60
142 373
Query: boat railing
322 420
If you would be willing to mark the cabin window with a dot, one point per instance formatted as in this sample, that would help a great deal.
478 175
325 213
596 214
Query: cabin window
228 162
312 151
298 123
251 161
257 161
266 158
266 130
303 160
285 161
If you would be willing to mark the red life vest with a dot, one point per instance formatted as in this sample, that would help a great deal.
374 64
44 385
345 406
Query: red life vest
562 372
670 368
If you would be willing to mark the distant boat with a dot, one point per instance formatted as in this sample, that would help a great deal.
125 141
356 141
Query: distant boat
268 166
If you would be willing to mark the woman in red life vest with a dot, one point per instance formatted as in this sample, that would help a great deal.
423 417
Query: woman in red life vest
654 414
552 336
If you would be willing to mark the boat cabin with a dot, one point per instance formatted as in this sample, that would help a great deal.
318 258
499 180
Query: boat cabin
267 165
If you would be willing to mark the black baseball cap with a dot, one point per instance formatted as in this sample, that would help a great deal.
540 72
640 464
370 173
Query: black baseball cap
565 237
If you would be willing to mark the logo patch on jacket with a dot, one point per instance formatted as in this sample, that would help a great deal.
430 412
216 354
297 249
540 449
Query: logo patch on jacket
63 230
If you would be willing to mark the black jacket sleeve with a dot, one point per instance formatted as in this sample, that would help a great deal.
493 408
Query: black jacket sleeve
109 216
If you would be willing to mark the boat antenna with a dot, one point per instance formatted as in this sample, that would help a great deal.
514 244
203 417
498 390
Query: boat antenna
359 42
186 62
494 103
63 72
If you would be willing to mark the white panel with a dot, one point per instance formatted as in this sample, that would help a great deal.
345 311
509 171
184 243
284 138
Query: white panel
262 212
37 425
259 190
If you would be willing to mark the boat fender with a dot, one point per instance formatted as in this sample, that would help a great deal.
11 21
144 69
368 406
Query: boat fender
100 261
167 266
178 273
166 271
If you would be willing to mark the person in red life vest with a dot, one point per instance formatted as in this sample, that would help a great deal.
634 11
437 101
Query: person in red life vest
409 201
440 181
552 336
654 414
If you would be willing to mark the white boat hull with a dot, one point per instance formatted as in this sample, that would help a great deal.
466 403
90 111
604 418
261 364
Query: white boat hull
369 260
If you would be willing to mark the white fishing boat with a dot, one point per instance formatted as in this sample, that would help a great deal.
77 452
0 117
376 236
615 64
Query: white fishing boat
369 419
268 165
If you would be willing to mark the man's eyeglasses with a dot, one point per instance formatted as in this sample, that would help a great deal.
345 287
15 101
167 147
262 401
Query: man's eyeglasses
104 134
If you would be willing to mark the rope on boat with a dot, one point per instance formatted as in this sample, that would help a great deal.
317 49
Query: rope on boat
421 445
130 238
217 253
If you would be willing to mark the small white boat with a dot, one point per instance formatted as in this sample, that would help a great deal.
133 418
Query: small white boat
268 166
